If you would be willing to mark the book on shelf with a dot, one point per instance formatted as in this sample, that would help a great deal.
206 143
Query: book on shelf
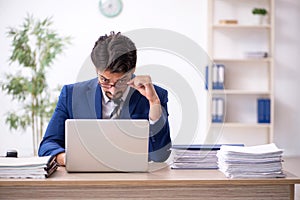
194 156
261 161
218 75
206 77
228 21
256 54
221 76
27 167
263 110
217 110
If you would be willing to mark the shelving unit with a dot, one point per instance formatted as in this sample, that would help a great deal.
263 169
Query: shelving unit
246 79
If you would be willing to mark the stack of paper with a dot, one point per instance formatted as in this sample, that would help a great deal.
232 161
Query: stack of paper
190 159
263 161
29 167
195 156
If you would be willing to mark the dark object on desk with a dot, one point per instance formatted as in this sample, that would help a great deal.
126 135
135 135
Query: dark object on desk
12 153
52 166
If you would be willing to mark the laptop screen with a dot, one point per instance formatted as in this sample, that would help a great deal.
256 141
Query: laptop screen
98 145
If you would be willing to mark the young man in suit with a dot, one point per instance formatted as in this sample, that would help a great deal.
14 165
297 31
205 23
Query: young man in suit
115 93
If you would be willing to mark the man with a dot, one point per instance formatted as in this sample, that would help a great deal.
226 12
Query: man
115 93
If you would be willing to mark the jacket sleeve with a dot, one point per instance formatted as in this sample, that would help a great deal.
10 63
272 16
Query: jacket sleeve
53 141
160 141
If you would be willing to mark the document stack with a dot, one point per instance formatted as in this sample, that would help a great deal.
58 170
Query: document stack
195 156
263 161
29 167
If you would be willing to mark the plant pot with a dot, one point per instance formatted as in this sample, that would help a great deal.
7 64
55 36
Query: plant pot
260 19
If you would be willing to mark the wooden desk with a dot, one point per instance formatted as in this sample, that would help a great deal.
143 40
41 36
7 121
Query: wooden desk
162 184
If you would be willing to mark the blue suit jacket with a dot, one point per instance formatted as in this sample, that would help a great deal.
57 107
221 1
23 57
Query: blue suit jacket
84 101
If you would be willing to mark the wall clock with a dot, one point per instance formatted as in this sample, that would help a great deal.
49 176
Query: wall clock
110 8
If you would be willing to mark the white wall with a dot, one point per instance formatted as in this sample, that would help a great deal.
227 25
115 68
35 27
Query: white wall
82 20
287 73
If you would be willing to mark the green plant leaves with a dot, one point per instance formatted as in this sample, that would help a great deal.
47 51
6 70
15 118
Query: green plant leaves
259 11
17 86
17 121
35 46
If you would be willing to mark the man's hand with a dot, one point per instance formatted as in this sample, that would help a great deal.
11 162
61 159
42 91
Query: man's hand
60 159
144 85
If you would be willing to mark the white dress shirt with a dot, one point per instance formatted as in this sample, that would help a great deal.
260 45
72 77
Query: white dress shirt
108 105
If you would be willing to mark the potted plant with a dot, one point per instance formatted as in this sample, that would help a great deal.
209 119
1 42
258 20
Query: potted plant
260 14
34 48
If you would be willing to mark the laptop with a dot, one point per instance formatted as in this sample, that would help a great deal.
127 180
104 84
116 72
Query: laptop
100 145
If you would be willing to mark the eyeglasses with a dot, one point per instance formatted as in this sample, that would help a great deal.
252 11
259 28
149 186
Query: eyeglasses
119 84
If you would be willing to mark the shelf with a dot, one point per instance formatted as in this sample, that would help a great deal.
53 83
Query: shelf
238 26
240 125
237 53
265 60
240 92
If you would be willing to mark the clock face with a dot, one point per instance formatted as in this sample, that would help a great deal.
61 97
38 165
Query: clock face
110 8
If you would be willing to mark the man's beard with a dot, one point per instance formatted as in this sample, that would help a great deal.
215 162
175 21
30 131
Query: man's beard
117 95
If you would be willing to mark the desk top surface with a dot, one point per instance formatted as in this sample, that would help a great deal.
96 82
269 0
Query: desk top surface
158 174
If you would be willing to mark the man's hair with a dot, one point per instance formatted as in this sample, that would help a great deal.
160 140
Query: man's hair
115 53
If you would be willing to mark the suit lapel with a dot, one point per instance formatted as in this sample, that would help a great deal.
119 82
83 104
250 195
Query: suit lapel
93 95
130 104
98 102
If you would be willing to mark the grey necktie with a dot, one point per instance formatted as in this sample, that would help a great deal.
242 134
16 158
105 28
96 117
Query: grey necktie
115 113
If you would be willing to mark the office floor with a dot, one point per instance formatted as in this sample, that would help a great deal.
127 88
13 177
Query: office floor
291 165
